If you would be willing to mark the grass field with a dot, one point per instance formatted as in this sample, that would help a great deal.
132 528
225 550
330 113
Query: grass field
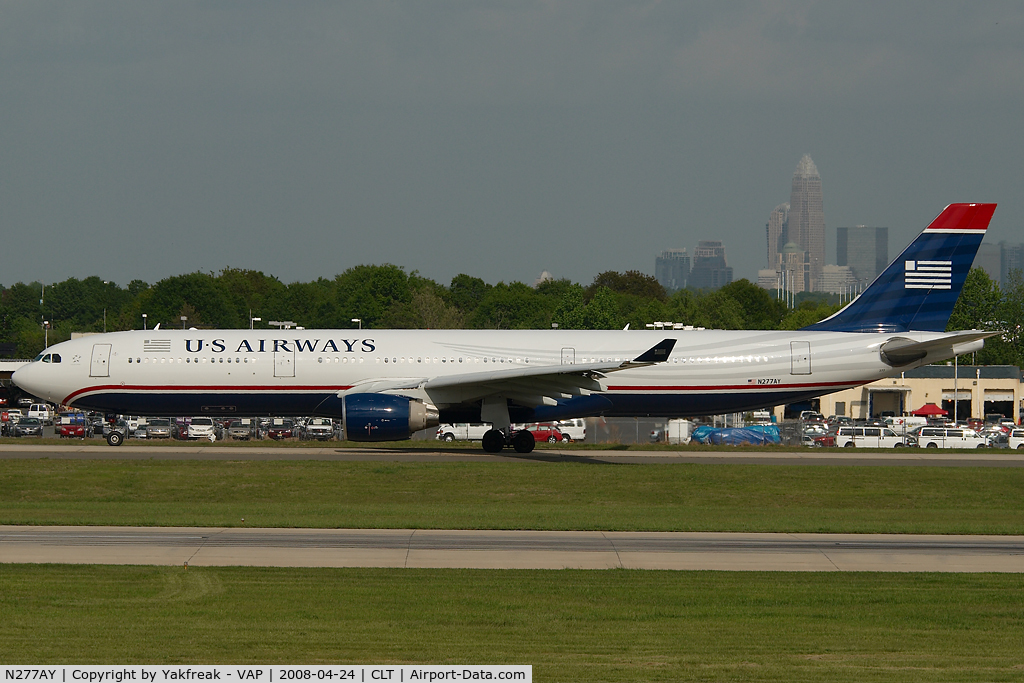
525 495
613 625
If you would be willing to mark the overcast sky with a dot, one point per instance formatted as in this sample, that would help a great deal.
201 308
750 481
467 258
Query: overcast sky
499 139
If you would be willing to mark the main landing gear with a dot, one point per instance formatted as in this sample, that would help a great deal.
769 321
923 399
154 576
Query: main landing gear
495 440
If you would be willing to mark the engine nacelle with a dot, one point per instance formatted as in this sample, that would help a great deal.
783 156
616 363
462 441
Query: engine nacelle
383 417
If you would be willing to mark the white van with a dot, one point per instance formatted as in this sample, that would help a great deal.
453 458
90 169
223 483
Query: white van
42 411
463 431
1017 438
868 437
950 437
575 429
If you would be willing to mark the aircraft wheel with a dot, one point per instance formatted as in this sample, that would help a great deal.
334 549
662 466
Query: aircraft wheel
115 439
493 441
523 441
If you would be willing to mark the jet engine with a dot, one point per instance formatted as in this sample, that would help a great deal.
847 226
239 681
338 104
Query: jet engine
383 417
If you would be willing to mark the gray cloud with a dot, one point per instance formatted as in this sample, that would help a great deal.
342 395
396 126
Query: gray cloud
499 139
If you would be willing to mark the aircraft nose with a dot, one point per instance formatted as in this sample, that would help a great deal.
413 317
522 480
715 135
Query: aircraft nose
23 378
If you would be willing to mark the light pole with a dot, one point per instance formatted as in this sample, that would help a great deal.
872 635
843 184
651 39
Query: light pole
144 316
46 334
282 324
254 320
183 319
358 320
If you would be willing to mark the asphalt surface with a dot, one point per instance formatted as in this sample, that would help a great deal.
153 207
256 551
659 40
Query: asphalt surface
510 549
431 452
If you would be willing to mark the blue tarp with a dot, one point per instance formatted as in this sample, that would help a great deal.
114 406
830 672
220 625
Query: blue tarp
737 436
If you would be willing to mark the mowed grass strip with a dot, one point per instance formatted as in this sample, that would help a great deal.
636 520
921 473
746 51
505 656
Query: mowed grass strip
530 495
571 625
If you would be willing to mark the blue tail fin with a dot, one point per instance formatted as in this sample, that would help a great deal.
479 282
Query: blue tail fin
919 289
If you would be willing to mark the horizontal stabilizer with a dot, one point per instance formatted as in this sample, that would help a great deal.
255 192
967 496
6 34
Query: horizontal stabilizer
902 351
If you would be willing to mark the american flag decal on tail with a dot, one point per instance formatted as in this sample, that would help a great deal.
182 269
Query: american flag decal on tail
928 275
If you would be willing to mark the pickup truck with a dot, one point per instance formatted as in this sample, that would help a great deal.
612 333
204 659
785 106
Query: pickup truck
319 428
463 431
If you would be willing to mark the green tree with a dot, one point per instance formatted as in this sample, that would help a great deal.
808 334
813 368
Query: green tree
760 310
978 304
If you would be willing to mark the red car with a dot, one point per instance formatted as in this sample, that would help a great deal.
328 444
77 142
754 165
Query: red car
281 429
546 432
74 425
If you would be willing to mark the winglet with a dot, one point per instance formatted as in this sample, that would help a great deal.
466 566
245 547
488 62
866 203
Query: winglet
657 353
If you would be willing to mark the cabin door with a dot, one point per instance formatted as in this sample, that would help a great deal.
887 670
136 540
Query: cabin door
801 357
100 365
284 363
568 356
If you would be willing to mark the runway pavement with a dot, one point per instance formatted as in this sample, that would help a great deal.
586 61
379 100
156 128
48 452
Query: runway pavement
510 549
431 452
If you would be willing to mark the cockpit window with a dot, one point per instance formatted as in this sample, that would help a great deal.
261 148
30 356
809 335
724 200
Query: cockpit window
37 358
55 357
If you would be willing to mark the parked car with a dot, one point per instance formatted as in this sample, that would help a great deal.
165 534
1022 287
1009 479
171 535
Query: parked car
202 428
29 426
868 437
811 416
319 428
281 428
241 429
546 432
463 431
1016 439
950 437
74 426
158 428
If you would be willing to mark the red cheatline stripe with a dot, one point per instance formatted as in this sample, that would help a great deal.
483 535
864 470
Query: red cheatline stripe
232 389
732 387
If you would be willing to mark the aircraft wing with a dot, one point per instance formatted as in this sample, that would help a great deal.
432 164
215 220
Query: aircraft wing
538 384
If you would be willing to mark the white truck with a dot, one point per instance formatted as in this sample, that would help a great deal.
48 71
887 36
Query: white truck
1016 438
463 431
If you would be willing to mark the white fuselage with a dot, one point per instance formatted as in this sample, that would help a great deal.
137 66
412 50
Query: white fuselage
294 372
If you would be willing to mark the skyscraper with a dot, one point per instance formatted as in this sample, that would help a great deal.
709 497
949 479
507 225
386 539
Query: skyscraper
776 228
709 267
672 269
807 219
1011 257
864 249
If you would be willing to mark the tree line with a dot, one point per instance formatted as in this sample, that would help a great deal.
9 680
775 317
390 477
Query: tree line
385 296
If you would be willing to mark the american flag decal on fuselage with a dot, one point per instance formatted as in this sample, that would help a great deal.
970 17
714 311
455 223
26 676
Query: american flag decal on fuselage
928 275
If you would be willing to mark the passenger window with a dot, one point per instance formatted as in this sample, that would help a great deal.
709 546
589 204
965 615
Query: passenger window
956 432
874 431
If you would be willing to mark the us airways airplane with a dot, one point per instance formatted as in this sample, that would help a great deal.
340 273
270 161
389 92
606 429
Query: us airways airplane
387 384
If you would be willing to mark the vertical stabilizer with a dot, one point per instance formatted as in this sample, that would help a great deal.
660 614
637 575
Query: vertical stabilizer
919 289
